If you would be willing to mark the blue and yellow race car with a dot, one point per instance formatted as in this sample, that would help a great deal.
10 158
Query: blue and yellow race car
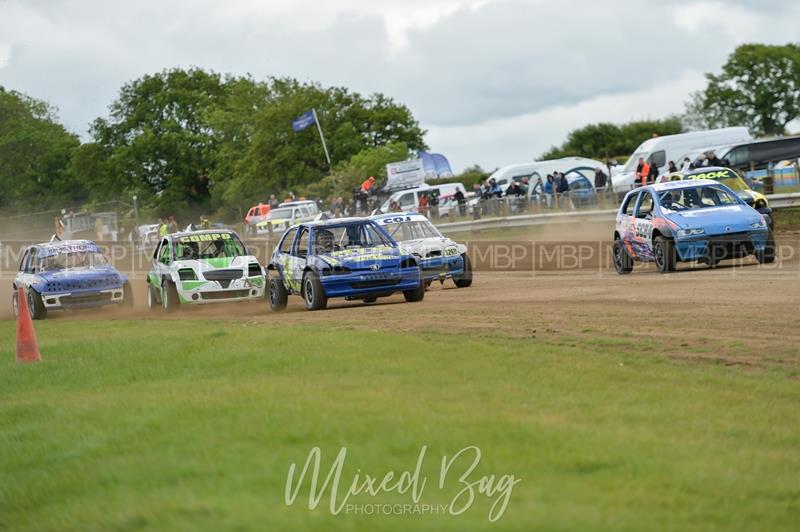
684 221
352 258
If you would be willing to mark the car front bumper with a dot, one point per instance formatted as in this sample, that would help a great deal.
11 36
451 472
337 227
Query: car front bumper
77 299
440 268
722 246
380 282
202 292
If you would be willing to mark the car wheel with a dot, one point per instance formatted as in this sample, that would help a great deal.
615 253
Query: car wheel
169 296
36 305
152 303
278 296
127 296
313 293
623 263
371 299
664 252
15 304
465 279
767 255
417 294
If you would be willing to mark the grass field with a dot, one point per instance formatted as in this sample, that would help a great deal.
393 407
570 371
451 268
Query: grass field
193 424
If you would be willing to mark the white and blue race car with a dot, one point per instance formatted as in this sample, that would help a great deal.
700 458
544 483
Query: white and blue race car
684 221
439 257
69 274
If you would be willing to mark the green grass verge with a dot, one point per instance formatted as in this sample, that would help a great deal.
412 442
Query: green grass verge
193 424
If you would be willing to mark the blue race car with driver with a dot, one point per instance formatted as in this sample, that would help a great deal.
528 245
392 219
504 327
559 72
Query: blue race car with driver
683 221
352 258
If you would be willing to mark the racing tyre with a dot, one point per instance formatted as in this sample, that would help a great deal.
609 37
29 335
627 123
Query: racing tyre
371 299
277 294
313 293
152 303
623 262
36 305
127 296
664 252
767 255
417 294
169 296
465 279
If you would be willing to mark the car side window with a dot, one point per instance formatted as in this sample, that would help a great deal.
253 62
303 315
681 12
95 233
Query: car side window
163 253
406 200
286 243
630 203
658 158
30 264
645 208
301 249
23 264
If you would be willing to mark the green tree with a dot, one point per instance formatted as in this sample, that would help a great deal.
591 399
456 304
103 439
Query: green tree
607 141
157 141
274 158
34 154
759 88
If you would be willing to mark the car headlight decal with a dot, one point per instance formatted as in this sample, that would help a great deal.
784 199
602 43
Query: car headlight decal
690 232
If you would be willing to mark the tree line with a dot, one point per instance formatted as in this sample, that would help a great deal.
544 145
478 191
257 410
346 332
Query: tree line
185 140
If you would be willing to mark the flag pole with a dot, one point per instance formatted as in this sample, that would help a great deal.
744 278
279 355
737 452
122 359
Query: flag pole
321 137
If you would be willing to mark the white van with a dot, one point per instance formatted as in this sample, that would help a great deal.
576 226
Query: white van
661 150
409 198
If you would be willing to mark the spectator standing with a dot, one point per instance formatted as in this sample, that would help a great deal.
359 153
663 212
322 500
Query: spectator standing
549 189
462 202
162 228
672 168
687 164
600 178
172 226
367 185
423 204
652 173
643 173
273 202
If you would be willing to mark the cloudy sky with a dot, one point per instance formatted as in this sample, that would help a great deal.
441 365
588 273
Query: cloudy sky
494 82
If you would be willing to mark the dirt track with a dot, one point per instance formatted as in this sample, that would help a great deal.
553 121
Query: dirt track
745 314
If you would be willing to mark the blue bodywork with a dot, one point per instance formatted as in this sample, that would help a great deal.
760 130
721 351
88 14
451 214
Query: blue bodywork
736 229
353 272
71 288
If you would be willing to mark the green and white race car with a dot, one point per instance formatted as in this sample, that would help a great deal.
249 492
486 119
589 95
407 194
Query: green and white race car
203 267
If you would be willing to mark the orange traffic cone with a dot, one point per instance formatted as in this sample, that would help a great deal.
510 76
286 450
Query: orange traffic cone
27 347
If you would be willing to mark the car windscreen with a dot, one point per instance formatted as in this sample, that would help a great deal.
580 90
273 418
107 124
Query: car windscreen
208 246
694 198
413 230
332 238
280 214
73 259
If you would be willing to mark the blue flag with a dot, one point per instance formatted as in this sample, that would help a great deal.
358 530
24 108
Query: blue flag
303 121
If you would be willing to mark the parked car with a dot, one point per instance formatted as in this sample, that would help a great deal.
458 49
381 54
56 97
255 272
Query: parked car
409 199
288 214
256 213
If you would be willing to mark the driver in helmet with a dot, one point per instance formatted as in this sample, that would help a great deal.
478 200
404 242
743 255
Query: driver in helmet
324 241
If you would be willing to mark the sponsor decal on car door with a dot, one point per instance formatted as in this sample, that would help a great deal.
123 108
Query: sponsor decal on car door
643 228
